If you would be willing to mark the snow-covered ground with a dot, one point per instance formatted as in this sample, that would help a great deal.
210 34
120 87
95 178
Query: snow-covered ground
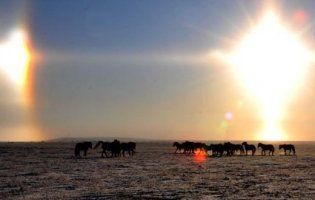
49 171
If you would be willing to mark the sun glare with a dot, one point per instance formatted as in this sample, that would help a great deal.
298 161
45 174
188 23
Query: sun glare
271 62
14 58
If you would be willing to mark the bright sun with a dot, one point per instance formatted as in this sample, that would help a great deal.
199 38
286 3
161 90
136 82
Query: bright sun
271 62
14 58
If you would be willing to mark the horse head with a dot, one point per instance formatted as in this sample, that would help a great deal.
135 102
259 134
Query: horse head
244 143
281 146
259 144
98 144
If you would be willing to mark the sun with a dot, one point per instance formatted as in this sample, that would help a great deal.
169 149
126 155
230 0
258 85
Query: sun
271 62
15 61
15 58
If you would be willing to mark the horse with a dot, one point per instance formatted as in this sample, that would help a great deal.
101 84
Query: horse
82 146
207 148
217 149
238 147
129 147
266 147
179 147
287 147
199 146
109 147
228 147
249 147
116 149
106 146
189 147
132 147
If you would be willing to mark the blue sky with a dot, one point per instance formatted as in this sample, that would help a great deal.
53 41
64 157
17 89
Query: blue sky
129 26
131 69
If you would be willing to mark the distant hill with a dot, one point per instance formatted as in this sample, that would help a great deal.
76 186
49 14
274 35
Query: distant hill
77 139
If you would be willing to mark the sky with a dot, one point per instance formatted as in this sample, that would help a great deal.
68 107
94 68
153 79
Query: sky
142 69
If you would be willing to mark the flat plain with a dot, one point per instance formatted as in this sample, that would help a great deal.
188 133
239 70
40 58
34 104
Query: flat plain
48 170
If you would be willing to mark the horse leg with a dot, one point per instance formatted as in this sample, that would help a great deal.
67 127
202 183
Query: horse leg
78 154
85 150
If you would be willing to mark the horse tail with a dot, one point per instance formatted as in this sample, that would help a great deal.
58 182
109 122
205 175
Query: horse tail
98 144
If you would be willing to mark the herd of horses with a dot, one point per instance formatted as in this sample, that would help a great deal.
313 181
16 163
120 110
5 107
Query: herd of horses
230 149
109 149
117 148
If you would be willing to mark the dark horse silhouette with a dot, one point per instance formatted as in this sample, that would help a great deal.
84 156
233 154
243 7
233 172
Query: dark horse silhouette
199 146
287 147
266 147
106 146
82 146
110 149
128 147
179 147
249 147
231 149
189 147
238 147
217 149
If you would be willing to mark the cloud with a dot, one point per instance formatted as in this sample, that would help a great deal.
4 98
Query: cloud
152 58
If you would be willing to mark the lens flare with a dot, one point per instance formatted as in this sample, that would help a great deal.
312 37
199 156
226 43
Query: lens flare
228 116
200 156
